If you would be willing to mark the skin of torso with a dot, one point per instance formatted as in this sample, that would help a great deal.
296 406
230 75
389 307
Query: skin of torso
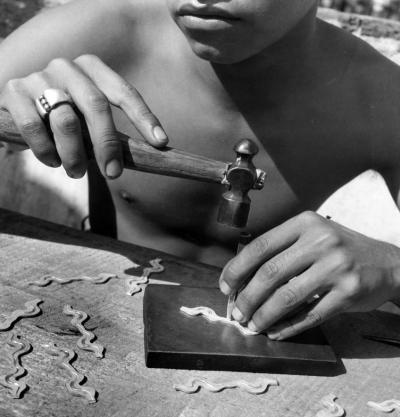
318 122
199 116
315 132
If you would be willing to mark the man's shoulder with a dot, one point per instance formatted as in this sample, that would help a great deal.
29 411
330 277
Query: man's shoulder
378 80
115 16
114 30
371 83
361 74
361 89
141 10
365 63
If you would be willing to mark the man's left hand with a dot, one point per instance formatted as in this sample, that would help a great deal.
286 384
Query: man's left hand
307 270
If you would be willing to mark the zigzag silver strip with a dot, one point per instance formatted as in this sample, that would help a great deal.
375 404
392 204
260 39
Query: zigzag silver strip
132 284
31 309
387 406
48 279
64 359
331 408
258 387
212 316
86 341
10 380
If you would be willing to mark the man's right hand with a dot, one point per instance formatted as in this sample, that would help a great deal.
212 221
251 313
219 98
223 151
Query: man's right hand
93 87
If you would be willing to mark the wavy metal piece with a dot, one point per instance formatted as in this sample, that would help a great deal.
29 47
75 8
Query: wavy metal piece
212 316
10 381
258 387
387 406
132 284
86 341
65 357
48 279
331 408
31 309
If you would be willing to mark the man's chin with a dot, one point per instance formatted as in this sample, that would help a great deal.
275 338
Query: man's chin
214 54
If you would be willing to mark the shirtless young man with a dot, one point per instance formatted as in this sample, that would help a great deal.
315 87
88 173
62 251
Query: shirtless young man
322 105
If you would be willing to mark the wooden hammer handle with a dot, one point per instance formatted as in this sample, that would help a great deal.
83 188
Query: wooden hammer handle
140 156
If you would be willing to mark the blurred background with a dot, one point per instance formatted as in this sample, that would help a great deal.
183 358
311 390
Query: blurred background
389 9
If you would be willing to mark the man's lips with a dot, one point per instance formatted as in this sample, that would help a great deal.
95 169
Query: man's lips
207 12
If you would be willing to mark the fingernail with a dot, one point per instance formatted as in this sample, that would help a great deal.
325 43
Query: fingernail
73 175
54 162
251 326
237 314
113 169
273 334
225 288
160 135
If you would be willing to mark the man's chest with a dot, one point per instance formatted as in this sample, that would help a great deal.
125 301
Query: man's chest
299 151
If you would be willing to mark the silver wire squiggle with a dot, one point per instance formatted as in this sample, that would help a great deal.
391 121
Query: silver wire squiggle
258 387
10 381
387 406
64 359
132 284
31 309
212 316
47 279
86 341
331 408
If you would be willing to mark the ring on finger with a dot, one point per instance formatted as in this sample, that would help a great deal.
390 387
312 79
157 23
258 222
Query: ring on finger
51 99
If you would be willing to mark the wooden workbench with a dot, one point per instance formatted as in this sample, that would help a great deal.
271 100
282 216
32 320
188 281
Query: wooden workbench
31 248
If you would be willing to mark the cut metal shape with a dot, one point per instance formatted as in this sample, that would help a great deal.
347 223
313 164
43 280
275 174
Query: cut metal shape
48 279
178 341
32 309
10 381
86 341
65 357
212 316
387 406
331 408
133 284
258 387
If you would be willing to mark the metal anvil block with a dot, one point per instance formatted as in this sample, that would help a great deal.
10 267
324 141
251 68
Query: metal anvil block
178 341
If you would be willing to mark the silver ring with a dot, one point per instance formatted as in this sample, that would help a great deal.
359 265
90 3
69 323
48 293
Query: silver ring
50 99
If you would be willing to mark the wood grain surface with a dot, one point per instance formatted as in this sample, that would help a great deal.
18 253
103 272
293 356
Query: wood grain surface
31 248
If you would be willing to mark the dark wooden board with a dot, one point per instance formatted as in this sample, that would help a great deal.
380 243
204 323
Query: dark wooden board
176 340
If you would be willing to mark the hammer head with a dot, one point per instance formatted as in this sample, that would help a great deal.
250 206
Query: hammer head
241 177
